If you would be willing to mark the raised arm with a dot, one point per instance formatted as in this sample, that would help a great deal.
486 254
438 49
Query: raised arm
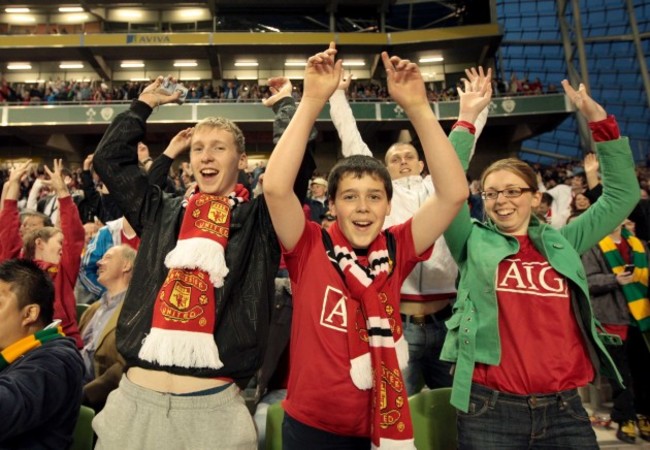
406 87
10 241
116 158
158 170
620 186
322 76
284 107
346 125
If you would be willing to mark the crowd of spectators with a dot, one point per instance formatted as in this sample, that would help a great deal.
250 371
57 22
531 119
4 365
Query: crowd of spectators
97 91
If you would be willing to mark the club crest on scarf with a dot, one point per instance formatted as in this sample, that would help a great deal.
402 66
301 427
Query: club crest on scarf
378 350
184 314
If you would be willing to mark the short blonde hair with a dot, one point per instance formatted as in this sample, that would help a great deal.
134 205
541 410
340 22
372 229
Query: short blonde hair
222 123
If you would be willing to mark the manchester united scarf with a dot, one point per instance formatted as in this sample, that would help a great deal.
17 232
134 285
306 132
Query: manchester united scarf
377 347
184 315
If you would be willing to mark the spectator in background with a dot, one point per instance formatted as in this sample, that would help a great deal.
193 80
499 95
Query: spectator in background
617 272
116 232
104 365
317 201
40 369
55 250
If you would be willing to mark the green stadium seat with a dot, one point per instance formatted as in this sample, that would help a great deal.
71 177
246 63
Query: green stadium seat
274 418
83 432
434 420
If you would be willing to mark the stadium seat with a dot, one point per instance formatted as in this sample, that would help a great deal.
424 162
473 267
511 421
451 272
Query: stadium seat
434 420
274 418
83 432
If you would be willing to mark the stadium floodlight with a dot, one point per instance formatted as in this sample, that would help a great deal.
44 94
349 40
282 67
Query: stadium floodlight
132 64
71 65
430 59
186 63
295 63
354 63
16 10
246 64
19 66
71 9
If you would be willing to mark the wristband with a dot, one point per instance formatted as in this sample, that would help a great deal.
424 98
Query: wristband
146 161
462 123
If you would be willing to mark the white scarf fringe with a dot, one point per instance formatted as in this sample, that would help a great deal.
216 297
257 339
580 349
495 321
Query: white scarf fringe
199 253
180 348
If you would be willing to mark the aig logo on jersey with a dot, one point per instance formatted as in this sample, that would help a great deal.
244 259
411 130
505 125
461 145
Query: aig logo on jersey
334 313
531 278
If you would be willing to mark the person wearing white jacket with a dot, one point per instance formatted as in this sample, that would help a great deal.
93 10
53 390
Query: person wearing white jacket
429 291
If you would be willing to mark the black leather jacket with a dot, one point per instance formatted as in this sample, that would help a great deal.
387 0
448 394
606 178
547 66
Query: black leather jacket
252 255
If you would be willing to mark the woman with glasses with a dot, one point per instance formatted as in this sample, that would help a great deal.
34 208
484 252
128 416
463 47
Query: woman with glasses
523 336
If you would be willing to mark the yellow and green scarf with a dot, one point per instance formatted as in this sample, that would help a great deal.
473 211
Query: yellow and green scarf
636 293
19 348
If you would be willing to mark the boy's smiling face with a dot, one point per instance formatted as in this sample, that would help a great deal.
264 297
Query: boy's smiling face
360 206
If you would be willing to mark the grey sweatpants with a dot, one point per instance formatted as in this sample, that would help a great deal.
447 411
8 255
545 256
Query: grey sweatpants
140 419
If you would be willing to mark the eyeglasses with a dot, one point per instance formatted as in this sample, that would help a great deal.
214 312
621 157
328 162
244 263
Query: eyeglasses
513 192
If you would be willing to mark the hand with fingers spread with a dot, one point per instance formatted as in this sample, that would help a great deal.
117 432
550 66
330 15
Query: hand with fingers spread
587 106
476 94
405 82
56 179
153 96
322 75
179 143
15 177
279 87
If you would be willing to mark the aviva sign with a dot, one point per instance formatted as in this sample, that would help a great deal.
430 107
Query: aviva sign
153 38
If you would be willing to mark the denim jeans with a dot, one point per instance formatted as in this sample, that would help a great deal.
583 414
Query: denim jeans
425 343
497 420
298 436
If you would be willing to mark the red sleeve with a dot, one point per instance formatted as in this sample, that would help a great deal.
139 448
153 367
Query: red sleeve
405 256
605 130
73 242
10 241
297 258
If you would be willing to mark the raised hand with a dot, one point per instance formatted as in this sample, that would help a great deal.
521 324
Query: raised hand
179 143
587 106
477 94
280 87
405 82
322 75
153 96
15 177
18 172
56 179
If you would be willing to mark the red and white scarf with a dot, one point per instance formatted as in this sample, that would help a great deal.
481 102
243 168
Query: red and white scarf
184 315
378 350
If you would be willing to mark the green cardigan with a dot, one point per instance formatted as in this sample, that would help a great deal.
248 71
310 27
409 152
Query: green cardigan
478 248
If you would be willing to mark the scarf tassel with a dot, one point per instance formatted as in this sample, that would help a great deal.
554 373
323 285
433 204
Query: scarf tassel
199 253
180 348
361 371
393 444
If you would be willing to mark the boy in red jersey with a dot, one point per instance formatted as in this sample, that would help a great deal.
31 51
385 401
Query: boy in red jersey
345 388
